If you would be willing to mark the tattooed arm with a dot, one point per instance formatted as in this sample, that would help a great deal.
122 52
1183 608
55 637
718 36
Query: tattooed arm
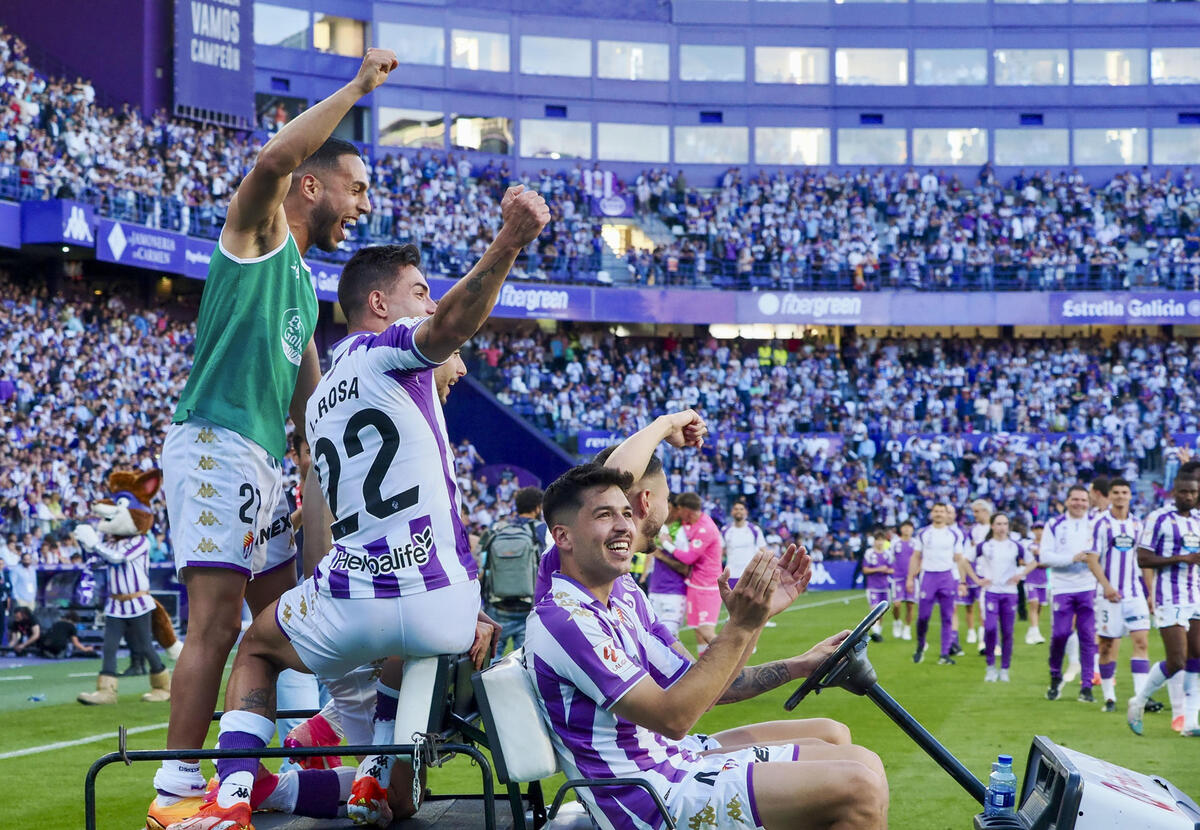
467 304
754 680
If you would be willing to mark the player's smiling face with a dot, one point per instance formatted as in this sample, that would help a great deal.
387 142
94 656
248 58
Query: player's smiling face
343 198
601 536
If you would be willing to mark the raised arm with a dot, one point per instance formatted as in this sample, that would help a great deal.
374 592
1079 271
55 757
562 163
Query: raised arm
255 222
467 304
679 429
674 711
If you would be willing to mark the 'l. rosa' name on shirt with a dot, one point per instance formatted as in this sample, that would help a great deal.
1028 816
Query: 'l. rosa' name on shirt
344 390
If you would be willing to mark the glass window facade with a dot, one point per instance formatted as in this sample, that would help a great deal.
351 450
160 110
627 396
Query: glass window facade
1119 146
414 44
871 146
633 60
554 138
400 127
485 51
871 67
633 142
556 56
950 145
488 134
712 145
1031 67
1176 145
1109 67
791 145
699 62
1031 146
281 26
340 35
950 67
791 65
1175 66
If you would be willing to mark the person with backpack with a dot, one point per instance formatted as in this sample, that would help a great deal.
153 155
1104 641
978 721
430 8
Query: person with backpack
510 551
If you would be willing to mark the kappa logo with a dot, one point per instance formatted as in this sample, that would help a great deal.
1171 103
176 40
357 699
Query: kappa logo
705 818
206 545
286 615
734 809
206 436
241 793
207 462
295 270
303 607
207 519
821 575
76 226
207 491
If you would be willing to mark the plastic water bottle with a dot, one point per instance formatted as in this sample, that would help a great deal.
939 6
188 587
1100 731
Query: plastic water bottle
1002 789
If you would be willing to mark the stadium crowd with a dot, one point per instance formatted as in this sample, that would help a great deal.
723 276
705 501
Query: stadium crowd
807 228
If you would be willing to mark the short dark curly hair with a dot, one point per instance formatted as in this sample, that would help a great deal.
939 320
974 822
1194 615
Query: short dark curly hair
564 496
372 269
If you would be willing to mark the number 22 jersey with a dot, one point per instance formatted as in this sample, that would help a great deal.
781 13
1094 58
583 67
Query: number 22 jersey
380 448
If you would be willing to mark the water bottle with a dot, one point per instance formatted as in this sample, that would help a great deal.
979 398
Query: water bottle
1002 789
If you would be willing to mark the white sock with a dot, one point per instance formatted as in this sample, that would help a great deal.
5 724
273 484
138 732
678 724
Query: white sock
378 767
1175 692
182 778
1108 685
877 628
1191 705
235 788
283 798
1139 682
1073 650
701 648
1154 681
982 633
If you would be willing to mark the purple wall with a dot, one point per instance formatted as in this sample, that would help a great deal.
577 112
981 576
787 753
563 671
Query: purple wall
122 52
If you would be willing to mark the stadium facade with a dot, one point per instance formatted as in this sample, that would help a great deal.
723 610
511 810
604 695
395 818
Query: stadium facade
699 85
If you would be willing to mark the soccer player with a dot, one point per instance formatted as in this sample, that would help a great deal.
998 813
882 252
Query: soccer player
742 540
936 549
902 551
1066 545
254 363
667 585
878 567
1035 588
704 555
1170 544
981 509
400 579
592 650
1001 563
1121 601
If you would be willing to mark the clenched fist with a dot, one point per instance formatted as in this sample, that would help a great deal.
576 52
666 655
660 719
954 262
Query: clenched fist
525 214
376 65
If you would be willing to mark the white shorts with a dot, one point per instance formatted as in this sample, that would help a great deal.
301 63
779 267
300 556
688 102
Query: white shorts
699 743
225 501
1116 619
718 794
671 609
1167 615
334 636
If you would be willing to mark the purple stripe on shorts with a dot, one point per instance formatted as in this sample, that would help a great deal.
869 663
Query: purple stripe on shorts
419 386
750 789
384 585
226 565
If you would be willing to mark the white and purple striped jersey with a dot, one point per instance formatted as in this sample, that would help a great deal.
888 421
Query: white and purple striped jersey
741 543
999 561
386 466
938 546
128 572
1168 533
1115 540
582 657
1063 539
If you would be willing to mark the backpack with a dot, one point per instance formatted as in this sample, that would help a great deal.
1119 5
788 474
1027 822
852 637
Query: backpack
513 552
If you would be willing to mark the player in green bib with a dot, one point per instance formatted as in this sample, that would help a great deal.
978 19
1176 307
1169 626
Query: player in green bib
255 362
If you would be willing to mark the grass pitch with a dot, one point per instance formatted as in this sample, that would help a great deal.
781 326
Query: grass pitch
975 720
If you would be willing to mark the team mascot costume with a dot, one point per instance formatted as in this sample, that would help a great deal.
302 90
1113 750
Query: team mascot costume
130 611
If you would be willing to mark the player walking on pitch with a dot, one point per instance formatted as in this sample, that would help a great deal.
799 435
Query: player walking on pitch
254 363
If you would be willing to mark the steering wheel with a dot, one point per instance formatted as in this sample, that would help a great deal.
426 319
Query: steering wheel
824 672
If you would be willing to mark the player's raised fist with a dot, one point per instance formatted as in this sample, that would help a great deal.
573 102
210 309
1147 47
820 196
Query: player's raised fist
376 65
525 214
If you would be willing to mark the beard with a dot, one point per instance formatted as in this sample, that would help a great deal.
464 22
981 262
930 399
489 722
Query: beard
647 533
321 226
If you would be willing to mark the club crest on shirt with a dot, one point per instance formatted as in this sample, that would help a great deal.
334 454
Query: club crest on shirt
1123 542
615 660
